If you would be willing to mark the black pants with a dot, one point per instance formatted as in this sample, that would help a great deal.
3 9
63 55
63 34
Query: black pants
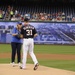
16 48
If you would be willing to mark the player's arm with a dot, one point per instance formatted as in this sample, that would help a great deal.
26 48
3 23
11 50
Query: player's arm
13 32
21 35
35 35
35 32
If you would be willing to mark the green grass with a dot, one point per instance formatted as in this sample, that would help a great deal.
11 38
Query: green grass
5 48
55 49
61 64
4 60
49 49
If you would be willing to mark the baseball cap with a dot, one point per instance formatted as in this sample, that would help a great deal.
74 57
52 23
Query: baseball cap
20 23
26 19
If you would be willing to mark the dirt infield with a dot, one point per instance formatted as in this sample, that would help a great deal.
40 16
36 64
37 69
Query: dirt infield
7 69
45 56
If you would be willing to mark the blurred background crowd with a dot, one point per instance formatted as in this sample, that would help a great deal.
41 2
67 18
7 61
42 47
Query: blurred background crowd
56 11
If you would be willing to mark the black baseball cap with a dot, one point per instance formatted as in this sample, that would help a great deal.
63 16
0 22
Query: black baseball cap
26 20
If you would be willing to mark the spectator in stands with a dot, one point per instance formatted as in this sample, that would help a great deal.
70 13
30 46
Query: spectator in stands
13 18
1 15
48 17
18 17
22 18
53 20
42 18
8 9
69 18
11 13
35 16
59 19
7 16
73 19
16 12
63 16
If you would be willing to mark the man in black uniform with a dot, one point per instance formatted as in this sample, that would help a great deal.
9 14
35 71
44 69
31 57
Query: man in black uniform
28 32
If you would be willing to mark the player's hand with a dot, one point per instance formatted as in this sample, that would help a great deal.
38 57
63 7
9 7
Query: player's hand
21 35
14 34
35 35
18 36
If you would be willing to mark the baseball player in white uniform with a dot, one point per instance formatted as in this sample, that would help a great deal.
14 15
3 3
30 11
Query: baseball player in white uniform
28 32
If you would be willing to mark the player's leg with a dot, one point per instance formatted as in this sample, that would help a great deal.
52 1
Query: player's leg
18 52
25 49
13 46
31 52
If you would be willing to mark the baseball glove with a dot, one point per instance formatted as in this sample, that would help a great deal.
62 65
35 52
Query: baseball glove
18 36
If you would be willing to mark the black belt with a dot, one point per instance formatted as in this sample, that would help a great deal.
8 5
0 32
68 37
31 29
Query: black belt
27 38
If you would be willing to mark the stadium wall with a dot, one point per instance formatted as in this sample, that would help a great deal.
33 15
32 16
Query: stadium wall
48 32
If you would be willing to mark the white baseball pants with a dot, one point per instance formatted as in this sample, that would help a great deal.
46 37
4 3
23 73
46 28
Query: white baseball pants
28 44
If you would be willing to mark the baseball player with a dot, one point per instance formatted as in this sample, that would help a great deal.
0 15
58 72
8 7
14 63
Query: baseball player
28 32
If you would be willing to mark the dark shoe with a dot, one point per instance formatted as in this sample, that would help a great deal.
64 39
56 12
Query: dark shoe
36 66
22 68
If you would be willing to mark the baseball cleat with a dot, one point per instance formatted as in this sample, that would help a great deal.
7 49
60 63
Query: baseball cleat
19 64
13 64
36 66
22 68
